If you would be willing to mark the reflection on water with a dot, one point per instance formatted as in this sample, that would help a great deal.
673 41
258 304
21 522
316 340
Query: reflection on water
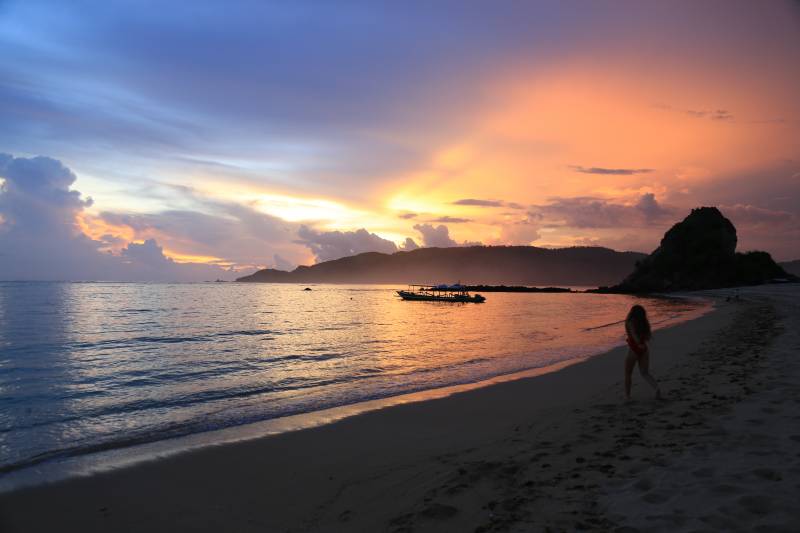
89 366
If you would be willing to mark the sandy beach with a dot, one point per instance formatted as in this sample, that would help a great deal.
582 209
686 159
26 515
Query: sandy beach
557 452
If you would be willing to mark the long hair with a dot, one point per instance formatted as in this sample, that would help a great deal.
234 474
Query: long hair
637 317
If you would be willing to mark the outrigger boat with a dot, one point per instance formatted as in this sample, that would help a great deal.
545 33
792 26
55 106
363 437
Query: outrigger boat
440 293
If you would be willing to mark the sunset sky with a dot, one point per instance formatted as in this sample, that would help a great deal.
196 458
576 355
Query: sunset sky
161 140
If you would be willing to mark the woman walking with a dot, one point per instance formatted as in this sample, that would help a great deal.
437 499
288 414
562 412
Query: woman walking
638 329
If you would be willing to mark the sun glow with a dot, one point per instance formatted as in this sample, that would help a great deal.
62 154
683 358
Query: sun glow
98 229
190 258
296 209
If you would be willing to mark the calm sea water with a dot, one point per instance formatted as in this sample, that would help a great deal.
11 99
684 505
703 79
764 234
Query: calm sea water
94 366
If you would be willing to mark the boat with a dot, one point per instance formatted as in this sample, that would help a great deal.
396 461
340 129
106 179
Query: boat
440 293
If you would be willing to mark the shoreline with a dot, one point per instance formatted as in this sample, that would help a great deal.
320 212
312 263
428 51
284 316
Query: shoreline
64 468
559 451
282 482
93 463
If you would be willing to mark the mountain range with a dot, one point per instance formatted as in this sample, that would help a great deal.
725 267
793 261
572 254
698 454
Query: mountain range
472 265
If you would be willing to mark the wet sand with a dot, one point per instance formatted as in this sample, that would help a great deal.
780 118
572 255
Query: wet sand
556 452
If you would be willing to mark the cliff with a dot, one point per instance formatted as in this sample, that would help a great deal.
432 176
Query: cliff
700 253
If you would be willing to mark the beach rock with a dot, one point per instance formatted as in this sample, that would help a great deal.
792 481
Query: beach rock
700 253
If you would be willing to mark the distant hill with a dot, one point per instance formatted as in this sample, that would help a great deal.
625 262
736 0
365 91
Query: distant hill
473 265
700 253
792 267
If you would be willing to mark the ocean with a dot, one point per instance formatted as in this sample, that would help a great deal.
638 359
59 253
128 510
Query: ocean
88 367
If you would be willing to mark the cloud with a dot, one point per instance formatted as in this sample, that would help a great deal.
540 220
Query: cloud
758 228
756 216
211 101
409 245
712 114
651 209
479 203
762 205
328 245
40 238
520 232
435 236
719 114
36 196
407 216
149 263
233 233
326 108
148 252
475 202
283 264
588 212
610 171
451 220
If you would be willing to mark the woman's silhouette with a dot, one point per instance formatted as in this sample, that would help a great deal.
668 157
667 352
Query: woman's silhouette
638 329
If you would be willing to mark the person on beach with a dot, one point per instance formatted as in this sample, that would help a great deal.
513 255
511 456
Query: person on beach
637 328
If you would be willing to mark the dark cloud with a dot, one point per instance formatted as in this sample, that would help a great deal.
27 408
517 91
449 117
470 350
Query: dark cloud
328 245
613 171
451 220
